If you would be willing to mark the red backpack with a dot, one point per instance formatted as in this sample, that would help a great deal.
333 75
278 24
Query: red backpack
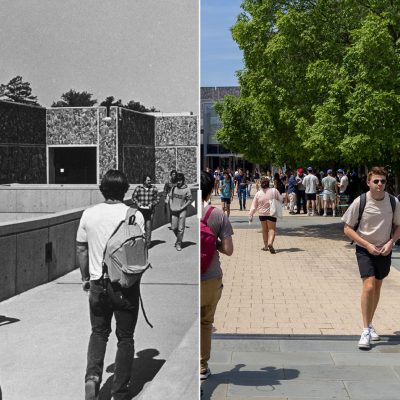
208 243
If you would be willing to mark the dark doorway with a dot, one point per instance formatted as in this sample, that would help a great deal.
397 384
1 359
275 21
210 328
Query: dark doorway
72 165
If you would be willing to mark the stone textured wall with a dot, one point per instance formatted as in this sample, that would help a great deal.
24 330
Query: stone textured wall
218 93
136 154
68 126
107 140
22 143
176 146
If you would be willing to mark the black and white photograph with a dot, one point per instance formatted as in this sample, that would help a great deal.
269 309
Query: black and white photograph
99 234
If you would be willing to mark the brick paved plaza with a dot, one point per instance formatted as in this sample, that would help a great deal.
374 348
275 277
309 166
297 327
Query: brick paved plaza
310 286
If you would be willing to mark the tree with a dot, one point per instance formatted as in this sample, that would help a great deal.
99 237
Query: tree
321 82
73 98
18 91
110 101
136 106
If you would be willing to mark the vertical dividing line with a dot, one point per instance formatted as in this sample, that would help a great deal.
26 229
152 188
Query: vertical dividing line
98 147
116 137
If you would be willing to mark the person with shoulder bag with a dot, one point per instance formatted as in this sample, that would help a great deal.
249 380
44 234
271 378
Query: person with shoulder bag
262 204
214 221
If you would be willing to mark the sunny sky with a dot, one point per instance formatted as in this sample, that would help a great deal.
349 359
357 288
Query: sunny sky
142 50
220 55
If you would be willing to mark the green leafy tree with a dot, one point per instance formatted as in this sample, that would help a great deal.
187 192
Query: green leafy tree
73 98
110 101
18 91
321 82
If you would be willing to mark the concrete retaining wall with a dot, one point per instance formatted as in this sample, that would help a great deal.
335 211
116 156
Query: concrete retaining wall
39 250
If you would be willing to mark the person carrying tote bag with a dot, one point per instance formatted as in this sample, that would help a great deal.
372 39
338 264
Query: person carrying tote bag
262 204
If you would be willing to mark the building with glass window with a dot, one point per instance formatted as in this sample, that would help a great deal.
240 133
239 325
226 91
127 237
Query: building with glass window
213 153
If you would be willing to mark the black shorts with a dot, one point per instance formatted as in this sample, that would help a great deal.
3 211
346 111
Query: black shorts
226 200
370 265
311 196
267 218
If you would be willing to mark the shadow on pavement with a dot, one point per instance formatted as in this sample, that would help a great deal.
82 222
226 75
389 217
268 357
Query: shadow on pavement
332 231
144 369
5 321
291 250
187 244
264 379
156 243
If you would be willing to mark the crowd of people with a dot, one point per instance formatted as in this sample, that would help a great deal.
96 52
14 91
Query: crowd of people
309 190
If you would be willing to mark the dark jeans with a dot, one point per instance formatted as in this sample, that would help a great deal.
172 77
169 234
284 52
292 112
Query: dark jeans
126 315
148 221
301 196
242 192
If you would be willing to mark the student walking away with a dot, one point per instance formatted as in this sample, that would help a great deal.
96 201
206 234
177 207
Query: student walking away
226 188
301 191
167 190
145 197
97 225
180 199
310 183
241 189
215 223
261 204
368 222
329 193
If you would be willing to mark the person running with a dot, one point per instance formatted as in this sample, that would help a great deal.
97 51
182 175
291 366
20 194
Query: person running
211 279
374 244
261 204
329 193
310 183
180 199
226 189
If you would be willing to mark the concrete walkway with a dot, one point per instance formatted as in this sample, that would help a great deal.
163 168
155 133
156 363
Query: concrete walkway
44 332
288 324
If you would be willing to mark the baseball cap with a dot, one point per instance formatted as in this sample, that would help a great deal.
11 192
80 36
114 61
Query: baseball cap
300 170
329 171
340 171
309 169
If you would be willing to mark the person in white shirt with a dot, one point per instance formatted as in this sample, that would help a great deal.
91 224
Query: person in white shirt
311 183
96 226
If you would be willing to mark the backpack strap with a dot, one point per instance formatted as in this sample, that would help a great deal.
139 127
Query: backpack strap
209 211
392 203
363 201
142 307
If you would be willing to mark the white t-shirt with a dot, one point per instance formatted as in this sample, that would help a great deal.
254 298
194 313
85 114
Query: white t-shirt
310 182
376 221
344 182
95 228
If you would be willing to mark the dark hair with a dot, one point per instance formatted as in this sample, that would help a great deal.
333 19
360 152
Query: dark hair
174 171
265 183
114 185
206 184
180 177
276 176
145 177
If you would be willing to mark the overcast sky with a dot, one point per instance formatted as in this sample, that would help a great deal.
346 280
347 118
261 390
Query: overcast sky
220 55
142 50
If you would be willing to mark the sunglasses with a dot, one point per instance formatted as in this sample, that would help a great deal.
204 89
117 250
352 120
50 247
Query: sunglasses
376 181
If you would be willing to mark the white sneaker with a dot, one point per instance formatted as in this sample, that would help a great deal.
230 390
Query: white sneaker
205 374
364 340
325 215
333 214
374 335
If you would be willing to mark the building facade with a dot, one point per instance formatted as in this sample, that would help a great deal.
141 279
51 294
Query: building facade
78 145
